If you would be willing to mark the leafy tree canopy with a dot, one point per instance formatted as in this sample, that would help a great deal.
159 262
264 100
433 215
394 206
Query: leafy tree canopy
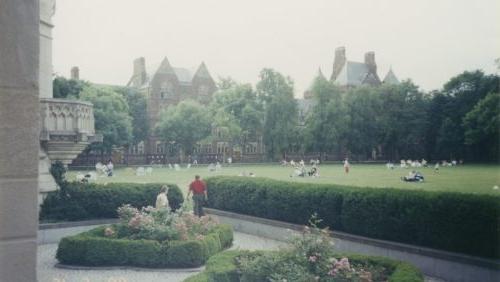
280 111
186 124
111 116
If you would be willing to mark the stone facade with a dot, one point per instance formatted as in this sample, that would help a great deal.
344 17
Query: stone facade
66 126
47 10
19 130
167 86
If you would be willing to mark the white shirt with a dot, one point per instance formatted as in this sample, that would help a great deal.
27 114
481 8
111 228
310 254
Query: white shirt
161 201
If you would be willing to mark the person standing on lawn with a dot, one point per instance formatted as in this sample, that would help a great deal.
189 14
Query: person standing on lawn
199 190
346 166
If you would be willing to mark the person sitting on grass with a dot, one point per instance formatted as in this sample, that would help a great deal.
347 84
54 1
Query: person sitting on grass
413 176
314 172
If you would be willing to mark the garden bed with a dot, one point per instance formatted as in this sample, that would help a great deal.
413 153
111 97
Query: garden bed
225 267
155 238
310 257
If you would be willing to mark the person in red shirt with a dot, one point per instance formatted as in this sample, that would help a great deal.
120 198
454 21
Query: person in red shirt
199 190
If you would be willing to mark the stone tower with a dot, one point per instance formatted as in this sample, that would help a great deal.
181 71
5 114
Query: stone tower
338 62
370 62
139 75
75 73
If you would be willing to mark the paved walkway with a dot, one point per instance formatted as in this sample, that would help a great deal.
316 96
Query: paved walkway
48 273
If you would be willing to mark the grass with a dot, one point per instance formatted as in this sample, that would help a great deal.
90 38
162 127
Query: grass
467 178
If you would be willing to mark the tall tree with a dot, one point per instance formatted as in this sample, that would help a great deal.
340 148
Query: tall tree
63 88
280 119
463 91
111 116
186 123
240 102
482 127
362 111
327 121
137 106
402 120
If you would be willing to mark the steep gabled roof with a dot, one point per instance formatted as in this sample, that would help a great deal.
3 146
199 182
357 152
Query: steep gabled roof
390 78
183 75
352 74
164 67
202 71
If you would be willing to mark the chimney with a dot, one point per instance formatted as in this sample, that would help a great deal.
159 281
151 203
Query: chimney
75 73
139 75
338 62
370 62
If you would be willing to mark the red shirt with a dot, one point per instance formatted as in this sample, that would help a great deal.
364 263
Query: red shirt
197 186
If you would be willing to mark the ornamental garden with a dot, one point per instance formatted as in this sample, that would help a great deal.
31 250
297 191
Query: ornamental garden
173 237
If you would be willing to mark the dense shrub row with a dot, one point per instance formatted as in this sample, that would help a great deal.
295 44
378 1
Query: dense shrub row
223 268
457 222
91 248
80 201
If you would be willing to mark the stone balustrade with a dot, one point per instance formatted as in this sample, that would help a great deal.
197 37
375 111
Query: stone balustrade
67 127
70 116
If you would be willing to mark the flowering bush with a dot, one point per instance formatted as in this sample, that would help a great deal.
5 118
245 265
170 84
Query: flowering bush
160 224
310 258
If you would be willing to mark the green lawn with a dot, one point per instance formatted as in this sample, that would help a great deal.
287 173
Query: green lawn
467 178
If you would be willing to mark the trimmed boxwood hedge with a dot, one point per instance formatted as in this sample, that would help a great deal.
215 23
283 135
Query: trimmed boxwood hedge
457 222
81 201
222 268
91 248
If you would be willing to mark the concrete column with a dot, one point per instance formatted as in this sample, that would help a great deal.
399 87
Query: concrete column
19 135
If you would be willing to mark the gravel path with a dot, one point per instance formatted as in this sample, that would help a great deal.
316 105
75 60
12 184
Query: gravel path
48 273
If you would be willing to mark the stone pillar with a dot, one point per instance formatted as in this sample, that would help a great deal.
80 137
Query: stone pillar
19 135
47 10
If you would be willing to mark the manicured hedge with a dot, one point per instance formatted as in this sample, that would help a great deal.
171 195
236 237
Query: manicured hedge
91 248
222 268
457 222
81 201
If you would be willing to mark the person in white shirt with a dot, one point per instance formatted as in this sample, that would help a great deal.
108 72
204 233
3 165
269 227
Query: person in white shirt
346 166
161 199
110 168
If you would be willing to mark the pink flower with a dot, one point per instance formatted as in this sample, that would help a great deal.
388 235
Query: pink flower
332 272
313 258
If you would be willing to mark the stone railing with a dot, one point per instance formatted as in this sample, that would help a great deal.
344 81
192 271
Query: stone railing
71 116
66 128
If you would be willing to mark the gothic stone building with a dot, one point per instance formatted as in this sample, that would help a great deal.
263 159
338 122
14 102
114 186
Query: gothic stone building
167 85
346 74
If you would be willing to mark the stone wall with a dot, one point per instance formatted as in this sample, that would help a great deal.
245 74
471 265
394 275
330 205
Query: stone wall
19 131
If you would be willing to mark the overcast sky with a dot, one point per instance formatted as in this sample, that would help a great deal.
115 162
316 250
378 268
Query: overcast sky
428 41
